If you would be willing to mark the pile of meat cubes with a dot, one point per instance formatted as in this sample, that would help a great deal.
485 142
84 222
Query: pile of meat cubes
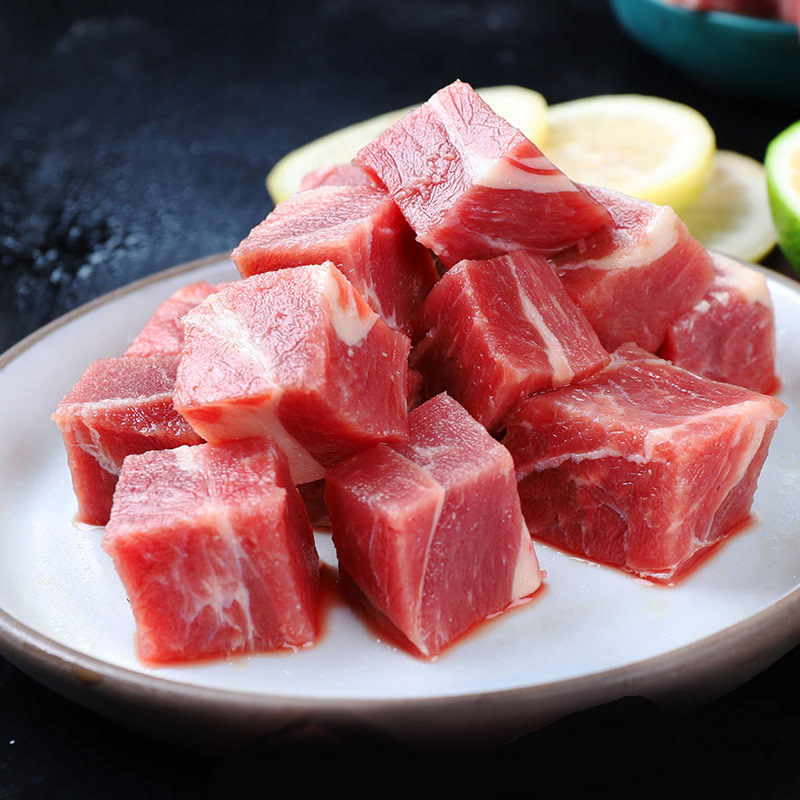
446 349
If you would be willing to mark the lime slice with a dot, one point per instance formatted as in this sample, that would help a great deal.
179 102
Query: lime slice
523 108
732 214
646 147
783 181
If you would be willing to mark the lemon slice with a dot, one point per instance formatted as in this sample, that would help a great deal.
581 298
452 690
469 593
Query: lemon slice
523 108
732 214
646 147
783 181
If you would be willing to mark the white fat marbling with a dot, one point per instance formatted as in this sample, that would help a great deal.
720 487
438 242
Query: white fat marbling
527 574
733 275
347 320
660 237
216 319
556 356
506 174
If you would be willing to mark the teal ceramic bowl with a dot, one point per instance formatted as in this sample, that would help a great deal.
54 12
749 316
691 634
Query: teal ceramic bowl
725 51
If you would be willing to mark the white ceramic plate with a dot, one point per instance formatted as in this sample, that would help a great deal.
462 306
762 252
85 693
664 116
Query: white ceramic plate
594 634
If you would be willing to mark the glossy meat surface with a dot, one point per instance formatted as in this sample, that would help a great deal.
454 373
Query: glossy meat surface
215 551
298 355
495 331
730 334
120 406
634 277
472 186
431 531
642 465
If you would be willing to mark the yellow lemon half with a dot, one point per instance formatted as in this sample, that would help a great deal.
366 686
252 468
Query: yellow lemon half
647 147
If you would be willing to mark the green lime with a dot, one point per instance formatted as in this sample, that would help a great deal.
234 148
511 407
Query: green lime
783 181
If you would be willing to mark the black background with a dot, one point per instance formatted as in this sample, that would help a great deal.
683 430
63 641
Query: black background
134 136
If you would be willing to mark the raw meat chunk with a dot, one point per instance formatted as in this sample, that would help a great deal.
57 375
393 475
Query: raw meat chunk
633 278
362 231
118 407
498 330
297 355
215 552
729 335
431 532
472 186
163 334
336 175
642 465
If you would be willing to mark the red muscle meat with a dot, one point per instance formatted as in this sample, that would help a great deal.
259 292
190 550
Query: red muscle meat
336 175
163 334
642 465
118 407
634 277
215 551
362 231
297 355
729 335
498 330
430 532
472 186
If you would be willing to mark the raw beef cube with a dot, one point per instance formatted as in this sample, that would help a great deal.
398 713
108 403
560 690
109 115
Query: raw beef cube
472 186
118 407
431 532
362 231
336 175
634 277
163 334
215 552
642 465
496 331
297 355
729 335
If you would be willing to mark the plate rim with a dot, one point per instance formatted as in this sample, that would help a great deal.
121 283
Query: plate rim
775 629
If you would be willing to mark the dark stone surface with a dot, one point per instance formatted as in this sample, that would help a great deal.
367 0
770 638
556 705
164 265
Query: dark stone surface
134 136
